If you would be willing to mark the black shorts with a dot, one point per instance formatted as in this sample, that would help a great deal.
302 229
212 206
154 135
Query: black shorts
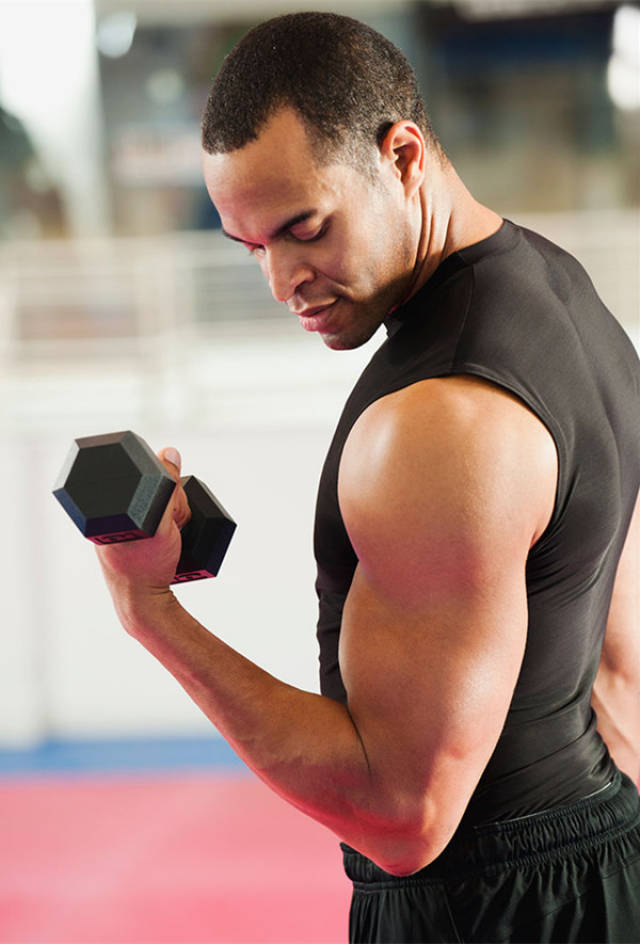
567 874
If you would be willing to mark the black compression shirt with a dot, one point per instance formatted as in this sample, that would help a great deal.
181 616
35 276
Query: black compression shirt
518 311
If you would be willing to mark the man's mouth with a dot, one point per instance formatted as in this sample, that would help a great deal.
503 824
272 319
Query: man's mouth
316 318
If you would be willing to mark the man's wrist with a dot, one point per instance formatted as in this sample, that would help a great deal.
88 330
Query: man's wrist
141 607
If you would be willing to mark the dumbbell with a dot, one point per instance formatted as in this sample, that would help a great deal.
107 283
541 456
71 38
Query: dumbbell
114 488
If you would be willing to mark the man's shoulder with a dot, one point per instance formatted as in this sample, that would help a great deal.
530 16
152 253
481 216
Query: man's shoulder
458 442
450 405
534 271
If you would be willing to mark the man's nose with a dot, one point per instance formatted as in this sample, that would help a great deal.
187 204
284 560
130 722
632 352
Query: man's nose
286 271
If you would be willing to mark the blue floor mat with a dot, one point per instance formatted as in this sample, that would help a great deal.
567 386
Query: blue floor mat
133 754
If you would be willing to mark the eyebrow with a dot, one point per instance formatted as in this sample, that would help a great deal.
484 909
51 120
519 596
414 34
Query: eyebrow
289 224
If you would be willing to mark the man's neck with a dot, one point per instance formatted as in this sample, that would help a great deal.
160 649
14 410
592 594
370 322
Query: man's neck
451 220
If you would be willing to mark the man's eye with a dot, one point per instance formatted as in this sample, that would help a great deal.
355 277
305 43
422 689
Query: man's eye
254 250
311 237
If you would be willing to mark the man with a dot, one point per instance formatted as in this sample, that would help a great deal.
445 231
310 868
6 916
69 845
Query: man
473 530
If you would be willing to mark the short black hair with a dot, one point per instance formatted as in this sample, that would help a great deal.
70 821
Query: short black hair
347 82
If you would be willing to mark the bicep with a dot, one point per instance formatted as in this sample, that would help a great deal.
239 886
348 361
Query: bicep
429 685
435 623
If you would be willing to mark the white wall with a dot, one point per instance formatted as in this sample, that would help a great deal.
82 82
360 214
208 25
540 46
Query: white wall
253 420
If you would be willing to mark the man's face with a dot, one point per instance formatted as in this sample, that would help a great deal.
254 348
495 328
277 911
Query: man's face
336 246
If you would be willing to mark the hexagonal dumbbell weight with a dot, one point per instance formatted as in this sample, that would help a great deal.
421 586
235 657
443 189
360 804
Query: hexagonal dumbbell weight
116 489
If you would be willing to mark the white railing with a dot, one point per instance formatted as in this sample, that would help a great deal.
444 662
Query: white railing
71 298
64 297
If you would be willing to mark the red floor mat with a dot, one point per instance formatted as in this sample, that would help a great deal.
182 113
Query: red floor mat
182 859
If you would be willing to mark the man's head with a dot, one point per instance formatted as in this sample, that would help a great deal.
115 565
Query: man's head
315 150
347 83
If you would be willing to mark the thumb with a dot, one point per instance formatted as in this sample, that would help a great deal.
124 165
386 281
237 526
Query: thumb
172 462
171 457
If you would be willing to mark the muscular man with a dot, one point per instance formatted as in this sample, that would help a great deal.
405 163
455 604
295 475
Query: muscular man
475 531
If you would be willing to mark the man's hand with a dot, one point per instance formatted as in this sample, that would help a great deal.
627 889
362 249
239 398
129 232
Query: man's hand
137 568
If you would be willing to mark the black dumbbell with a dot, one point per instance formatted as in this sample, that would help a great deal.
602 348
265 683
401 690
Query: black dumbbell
116 489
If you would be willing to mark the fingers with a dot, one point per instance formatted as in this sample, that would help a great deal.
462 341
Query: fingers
179 505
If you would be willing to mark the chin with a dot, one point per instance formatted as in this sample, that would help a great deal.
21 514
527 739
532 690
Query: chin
349 340
338 343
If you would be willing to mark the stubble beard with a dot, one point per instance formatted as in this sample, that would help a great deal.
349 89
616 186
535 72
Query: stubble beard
361 328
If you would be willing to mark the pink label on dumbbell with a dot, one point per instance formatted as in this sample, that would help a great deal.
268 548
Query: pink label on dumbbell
192 575
118 538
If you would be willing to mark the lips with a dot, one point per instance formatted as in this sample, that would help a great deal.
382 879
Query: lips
316 318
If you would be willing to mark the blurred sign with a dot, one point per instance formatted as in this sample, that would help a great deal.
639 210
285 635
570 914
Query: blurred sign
157 154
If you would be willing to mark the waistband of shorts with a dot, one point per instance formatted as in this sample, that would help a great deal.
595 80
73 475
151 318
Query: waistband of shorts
558 831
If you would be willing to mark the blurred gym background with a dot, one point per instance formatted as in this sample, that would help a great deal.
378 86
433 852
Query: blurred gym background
125 816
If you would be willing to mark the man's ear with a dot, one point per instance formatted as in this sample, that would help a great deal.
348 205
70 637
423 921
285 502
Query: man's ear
403 150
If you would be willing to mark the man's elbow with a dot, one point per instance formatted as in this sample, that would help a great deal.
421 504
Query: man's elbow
406 856
406 847
407 862
409 820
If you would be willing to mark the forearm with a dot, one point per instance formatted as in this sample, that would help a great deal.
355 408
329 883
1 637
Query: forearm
304 746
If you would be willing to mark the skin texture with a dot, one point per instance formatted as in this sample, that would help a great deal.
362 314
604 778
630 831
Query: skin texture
435 622
616 692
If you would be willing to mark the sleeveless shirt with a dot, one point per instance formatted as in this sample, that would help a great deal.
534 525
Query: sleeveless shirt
522 313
